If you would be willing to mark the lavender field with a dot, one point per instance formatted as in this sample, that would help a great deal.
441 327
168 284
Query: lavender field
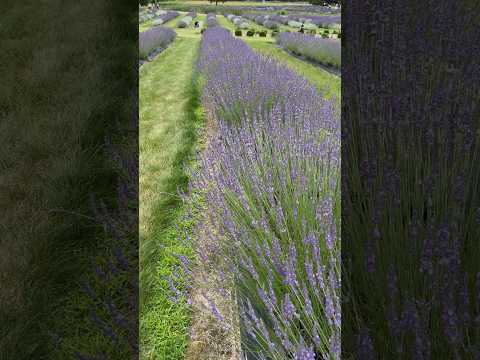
247 262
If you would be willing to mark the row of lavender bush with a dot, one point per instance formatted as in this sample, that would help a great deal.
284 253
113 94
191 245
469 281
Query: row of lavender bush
162 19
320 21
212 20
238 21
323 51
186 20
270 178
309 22
154 38
148 14
264 20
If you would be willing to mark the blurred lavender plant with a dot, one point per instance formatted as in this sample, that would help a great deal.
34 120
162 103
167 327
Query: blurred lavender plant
270 178
186 20
269 21
238 21
154 38
163 18
212 20
323 51
410 171
321 21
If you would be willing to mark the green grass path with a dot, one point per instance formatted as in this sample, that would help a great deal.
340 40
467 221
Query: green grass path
169 121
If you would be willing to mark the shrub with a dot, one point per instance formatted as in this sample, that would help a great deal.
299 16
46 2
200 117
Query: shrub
238 32
250 32
324 51
185 22
154 38
202 31
270 25
280 224
325 35
312 32
309 26
263 33
275 33
211 20
165 18
295 24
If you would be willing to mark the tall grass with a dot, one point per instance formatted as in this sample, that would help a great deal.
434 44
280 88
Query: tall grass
410 199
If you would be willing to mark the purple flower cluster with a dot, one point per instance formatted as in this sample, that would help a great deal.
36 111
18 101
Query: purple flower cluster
154 38
323 51
270 178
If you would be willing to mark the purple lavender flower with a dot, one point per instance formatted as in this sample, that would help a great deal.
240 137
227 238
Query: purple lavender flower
324 51
157 37
275 158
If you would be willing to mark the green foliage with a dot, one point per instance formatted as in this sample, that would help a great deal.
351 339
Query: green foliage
238 32
250 32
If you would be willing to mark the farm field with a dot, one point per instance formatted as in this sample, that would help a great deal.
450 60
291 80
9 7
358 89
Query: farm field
205 99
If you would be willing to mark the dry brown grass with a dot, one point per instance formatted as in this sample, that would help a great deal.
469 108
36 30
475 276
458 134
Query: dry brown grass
210 338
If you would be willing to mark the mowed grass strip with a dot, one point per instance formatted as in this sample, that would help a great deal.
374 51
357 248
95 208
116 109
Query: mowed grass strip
169 121
327 83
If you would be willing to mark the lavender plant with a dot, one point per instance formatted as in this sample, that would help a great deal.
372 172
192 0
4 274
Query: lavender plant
162 19
212 20
154 38
410 170
186 20
238 21
270 179
323 51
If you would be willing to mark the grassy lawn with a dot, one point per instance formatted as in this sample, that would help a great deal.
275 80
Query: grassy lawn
169 121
